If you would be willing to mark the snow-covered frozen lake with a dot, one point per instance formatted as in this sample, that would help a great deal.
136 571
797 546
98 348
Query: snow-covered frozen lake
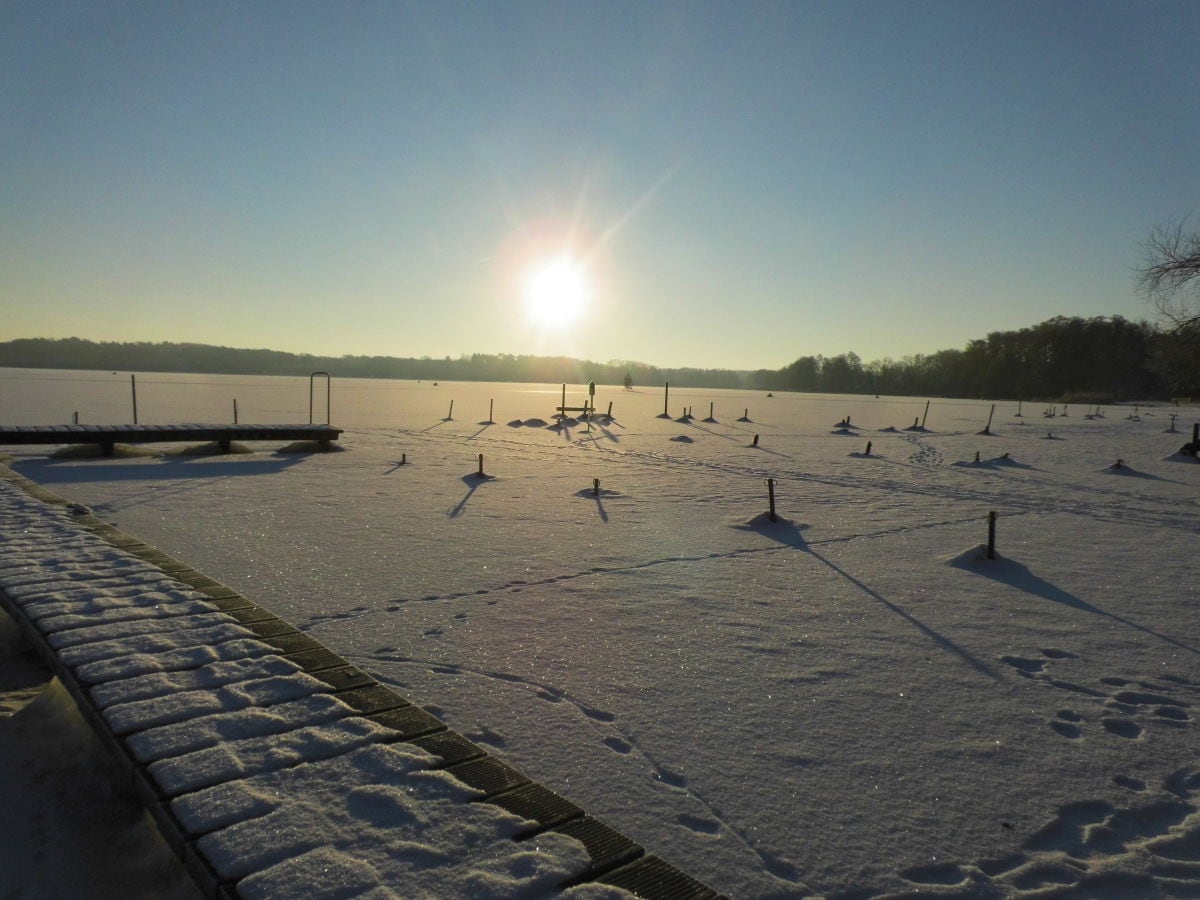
849 701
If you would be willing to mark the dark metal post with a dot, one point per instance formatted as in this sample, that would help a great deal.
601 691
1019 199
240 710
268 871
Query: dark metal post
133 388
235 414
480 465
991 548
666 397
328 395
771 499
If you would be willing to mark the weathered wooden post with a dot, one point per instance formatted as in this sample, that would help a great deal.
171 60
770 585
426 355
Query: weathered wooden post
491 408
133 389
987 429
666 396
235 411
710 409
771 500
76 419
595 487
480 465
562 410
991 547
450 415
403 458
926 414
754 443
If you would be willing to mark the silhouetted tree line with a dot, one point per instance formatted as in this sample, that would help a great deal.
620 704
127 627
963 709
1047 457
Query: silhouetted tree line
76 353
1095 360
1087 360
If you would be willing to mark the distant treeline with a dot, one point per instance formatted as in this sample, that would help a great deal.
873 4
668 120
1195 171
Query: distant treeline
1086 360
75 353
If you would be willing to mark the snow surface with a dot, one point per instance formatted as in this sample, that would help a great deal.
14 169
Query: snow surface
849 701
286 791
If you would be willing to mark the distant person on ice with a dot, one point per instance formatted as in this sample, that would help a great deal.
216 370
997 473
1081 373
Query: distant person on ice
628 382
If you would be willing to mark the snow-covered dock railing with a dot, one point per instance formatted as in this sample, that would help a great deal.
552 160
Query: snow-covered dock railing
108 436
274 767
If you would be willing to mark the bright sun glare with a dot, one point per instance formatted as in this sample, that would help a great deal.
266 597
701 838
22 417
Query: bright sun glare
556 293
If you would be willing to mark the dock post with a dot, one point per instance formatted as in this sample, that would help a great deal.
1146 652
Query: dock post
926 414
991 544
771 500
133 389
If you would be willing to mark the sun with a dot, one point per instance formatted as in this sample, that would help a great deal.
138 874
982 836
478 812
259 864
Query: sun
556 292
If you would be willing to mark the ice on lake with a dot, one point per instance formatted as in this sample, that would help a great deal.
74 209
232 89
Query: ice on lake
852 698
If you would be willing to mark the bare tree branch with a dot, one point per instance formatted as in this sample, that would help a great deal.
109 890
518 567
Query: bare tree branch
1171 276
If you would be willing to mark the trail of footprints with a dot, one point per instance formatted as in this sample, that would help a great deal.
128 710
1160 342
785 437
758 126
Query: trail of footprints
615 740
1093 848
1119 706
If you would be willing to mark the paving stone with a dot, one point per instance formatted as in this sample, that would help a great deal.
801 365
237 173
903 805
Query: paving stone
653 877
607 847
488 774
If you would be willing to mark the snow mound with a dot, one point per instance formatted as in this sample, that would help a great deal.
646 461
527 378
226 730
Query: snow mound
974 557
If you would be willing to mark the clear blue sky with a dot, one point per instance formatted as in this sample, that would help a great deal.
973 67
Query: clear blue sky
744 183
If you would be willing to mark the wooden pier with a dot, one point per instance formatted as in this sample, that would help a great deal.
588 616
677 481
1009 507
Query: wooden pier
108 436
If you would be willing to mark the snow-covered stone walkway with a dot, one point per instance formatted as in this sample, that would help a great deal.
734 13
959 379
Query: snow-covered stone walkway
273 767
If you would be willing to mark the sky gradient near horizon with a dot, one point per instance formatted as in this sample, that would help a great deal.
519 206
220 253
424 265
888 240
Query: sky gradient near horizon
743 183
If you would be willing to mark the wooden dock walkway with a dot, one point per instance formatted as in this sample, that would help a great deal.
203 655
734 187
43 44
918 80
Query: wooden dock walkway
108 436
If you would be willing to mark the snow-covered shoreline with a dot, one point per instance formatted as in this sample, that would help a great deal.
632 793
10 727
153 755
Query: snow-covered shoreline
287 785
